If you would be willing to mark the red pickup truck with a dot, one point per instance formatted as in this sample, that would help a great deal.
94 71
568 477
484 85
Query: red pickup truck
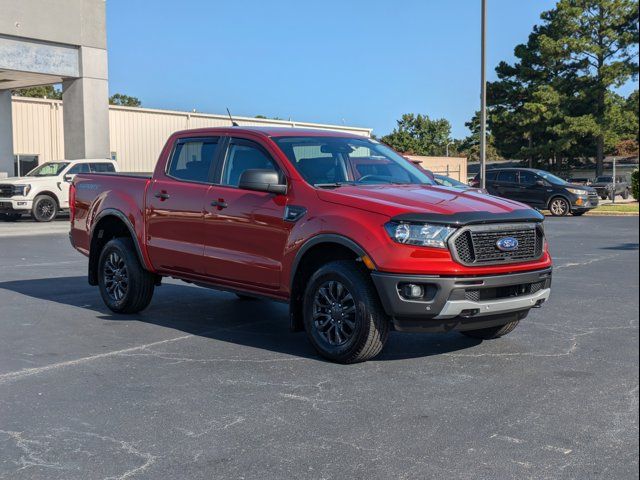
354 237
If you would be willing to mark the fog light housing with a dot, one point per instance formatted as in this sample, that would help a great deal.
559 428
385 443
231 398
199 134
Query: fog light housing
411 291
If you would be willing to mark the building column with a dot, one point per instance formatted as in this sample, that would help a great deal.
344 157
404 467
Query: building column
86 108
6 135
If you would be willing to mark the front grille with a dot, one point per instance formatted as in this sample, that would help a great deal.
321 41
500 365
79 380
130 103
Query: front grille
478 245
6 191
498 293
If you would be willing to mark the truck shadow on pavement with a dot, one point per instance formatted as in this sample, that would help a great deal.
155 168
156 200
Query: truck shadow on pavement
222 316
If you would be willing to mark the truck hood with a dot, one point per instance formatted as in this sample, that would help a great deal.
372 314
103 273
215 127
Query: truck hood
28 180
430 203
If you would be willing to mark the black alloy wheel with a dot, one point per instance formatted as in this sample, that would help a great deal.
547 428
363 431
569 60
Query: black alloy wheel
334 313
45 209
116 277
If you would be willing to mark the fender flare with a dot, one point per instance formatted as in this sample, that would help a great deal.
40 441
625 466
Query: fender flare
318 239
121 216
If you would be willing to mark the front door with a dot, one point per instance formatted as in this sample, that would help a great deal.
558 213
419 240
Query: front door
245 231
531 191
175 207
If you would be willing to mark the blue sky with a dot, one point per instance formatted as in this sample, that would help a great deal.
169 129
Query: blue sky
362 63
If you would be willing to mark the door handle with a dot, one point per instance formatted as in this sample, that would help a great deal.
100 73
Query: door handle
162 196
220 204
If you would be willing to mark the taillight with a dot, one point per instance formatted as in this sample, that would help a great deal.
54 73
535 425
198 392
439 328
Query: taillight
475 183
72 202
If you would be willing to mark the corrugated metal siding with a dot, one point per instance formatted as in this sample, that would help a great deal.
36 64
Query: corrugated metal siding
136 135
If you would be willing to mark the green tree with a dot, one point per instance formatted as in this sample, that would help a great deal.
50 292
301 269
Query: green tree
419 135
124 100
470 146
557 99
596 41
48 91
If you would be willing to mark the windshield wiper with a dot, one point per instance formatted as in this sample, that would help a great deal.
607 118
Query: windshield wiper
333 185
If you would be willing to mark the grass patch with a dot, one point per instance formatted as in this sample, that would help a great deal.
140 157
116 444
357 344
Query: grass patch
628 208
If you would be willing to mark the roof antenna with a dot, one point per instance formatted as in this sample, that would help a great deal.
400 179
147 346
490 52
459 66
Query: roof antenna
233 122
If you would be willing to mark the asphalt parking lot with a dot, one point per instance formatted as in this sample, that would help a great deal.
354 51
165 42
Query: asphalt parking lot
202 385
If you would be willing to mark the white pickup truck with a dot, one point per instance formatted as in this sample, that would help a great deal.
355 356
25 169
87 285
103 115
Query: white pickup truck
44 191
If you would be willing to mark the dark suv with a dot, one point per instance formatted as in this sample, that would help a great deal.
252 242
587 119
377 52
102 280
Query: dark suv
541 190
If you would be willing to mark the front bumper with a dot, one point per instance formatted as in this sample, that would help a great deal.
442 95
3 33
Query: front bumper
12 205
585 203
462 303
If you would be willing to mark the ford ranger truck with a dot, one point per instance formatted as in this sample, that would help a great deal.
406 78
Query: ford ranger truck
354 237
44 191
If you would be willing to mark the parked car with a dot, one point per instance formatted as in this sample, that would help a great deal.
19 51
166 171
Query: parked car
580 181
605 187
453 183
541 190
44 191
351 235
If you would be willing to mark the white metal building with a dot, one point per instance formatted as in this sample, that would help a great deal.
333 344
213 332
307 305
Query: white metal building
136 134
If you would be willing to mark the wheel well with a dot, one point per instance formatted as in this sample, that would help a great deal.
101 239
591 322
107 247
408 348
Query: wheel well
107 228
311 261
50 194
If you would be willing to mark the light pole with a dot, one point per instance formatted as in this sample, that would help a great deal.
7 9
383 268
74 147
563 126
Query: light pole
447 148
483 99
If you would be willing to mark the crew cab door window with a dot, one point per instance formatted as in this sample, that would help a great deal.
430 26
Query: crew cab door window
79 168
193 159
102 167
244 155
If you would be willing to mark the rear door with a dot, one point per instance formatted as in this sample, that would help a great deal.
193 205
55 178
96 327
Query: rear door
245 232
506 184
175 206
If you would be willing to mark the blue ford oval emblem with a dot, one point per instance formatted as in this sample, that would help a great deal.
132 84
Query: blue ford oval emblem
507 244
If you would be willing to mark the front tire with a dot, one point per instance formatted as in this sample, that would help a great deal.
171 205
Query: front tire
492 332
343 317
559 207
45 208
625 194
125 286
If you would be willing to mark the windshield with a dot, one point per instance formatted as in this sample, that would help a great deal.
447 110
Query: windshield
604 179
335 161
552 178
449 182
49 169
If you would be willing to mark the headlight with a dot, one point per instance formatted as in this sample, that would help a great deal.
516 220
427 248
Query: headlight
575 191
424 235
21 190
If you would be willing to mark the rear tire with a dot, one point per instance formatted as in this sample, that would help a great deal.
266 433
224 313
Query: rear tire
125 286
343 317
45 208
492 332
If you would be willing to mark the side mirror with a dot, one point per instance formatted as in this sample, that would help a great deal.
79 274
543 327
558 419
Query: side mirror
259 180
540 183
69 178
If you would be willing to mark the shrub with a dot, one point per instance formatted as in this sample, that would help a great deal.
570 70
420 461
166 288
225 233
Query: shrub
634 183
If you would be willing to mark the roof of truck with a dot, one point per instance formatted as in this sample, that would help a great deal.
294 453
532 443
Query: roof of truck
277 131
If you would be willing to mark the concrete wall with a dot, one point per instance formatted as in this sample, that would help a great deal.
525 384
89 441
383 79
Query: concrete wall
454 167
58 41
136 135
70 22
